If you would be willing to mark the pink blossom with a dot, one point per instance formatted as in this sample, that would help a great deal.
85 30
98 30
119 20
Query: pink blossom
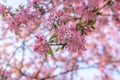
41 46
74 40
2 8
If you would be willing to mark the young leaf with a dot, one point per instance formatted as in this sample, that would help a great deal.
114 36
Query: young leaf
110 3
91 22
50 51
3 14
57 49
93 27
79 26
52 37
99 13
21 6
54 26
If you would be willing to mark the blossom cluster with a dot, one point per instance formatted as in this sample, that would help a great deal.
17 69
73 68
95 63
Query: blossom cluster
70 20
40 45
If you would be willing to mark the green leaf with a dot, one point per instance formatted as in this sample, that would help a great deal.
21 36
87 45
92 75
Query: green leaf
52 37
16 32
3 14
11 14
56 40
110 3
99 13
21 6
91 22
79 24
17 10
93 27
57 49
54 26
50 51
